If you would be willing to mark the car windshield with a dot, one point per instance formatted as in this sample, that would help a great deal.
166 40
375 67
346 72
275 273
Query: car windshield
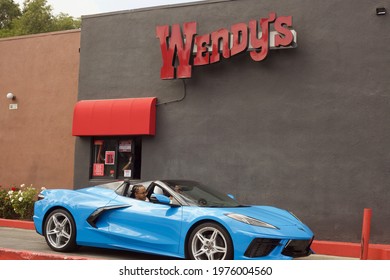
196 194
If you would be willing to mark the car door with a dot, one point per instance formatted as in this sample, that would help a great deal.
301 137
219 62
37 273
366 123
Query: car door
146 226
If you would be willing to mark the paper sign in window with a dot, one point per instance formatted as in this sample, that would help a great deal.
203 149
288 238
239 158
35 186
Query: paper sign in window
110 158
98 169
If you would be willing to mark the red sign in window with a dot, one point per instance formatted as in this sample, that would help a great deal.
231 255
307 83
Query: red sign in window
110 158
98 169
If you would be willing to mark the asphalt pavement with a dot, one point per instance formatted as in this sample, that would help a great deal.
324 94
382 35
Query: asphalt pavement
28 240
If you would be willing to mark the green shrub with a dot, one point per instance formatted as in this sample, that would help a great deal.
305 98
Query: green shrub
18 203
6 209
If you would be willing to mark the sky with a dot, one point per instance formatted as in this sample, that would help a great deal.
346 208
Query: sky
78 8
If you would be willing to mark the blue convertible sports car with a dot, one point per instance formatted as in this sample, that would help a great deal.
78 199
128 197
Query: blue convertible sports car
180 218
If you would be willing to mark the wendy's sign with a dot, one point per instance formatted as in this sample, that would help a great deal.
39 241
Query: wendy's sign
183 48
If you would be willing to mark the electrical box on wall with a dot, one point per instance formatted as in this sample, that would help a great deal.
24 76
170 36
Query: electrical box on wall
13 106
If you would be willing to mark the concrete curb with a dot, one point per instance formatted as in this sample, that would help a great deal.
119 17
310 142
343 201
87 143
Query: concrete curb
331 248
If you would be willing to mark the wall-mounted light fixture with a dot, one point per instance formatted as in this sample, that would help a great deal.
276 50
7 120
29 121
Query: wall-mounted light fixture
381 11
10 96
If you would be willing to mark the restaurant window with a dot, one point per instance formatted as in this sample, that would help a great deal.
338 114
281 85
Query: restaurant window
116 158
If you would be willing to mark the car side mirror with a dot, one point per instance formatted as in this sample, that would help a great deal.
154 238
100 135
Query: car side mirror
160 198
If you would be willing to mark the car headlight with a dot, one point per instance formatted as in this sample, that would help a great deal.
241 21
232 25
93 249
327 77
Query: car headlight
250 221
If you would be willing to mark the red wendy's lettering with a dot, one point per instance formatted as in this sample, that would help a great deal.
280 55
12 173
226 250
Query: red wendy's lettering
260 44
178 45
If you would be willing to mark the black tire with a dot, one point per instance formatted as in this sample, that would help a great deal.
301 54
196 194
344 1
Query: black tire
60 231
210 241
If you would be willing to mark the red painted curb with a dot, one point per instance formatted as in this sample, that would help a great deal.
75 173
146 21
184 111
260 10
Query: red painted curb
352 250
10 254
17 224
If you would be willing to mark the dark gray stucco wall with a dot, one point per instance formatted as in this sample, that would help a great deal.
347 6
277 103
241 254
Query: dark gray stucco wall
306 130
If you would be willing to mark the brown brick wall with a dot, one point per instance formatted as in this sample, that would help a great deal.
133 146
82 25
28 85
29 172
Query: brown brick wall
36 142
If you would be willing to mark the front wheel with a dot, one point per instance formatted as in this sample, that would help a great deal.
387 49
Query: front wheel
210 241
60 231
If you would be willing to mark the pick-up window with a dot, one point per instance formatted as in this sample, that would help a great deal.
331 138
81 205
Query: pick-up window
116 158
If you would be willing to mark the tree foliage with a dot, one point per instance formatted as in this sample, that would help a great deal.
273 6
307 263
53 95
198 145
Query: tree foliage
8 12
36 16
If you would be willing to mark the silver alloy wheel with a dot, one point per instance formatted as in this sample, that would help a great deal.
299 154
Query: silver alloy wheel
59 230
209 244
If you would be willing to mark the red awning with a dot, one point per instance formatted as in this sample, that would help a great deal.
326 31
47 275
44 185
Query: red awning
132 116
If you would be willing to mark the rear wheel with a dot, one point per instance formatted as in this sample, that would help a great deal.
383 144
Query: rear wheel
60 231
210 241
